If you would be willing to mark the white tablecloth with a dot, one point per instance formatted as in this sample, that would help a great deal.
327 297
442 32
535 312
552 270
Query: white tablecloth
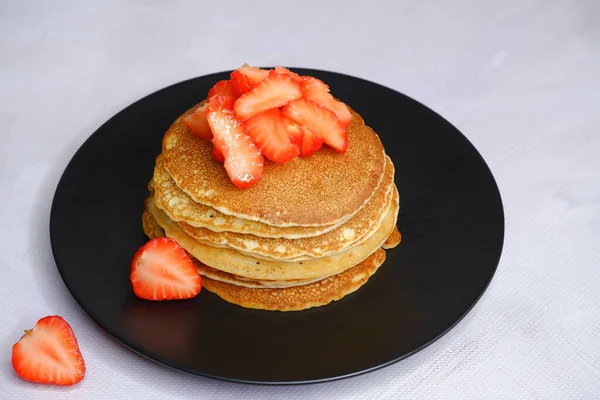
521 79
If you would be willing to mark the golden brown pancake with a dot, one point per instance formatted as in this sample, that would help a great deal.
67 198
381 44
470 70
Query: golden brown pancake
243 265
393 240
149 224
299 297
322 189
180 207
226 277
354 231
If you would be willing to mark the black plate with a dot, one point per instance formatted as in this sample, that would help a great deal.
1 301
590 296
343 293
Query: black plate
451 218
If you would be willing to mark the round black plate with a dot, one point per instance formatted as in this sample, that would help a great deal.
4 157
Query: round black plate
451 218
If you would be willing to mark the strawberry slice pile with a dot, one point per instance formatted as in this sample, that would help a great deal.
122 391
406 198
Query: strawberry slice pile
274 114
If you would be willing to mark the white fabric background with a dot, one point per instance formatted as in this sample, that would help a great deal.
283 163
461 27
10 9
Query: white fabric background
521 79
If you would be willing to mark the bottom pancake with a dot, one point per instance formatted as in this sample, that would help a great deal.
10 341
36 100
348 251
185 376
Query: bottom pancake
393 240
299 297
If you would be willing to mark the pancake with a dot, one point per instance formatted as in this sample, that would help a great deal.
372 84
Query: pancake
300 297
152 230
180 207
226 277
149 224
356 230
243 265
319 190
393 240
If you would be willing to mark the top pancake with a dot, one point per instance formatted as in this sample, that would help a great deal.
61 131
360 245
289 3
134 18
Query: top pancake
180 207
322 189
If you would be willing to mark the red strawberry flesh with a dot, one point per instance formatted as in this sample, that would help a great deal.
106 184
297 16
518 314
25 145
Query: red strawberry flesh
198 125
243 161
246 77
315 90
282 70
310 143
275 91
269 132
321 121
162 270
224 88
49 353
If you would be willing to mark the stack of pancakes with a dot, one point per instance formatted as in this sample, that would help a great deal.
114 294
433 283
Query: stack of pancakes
309 232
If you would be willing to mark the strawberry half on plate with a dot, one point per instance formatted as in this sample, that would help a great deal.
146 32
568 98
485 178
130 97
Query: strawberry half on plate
162 270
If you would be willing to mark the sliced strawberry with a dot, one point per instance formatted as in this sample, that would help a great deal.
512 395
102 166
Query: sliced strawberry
270 134
275 91
220 101
317 91
304 138
224 88
198 124
243 162
320 121
293 129
49 353
162 270
246 77
326 100
310 84
217 155
310 143
281 70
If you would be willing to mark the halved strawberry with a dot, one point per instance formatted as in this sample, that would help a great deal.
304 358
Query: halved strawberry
270 134
315 90
320 121
198 124
243 162
275 91
217 155
49 353
224 88
162 270
310 143
246 77
282 70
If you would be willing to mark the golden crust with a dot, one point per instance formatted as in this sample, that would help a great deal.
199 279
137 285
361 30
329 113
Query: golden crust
149 224
299 297
393 240
180 207
314 191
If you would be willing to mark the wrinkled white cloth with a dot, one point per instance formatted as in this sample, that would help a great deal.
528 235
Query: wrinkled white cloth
520 78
